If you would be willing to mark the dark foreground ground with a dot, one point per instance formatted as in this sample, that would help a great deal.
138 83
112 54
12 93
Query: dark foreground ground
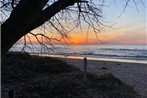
26 76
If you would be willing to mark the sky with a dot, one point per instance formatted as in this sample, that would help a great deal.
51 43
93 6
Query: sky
131 24
128 27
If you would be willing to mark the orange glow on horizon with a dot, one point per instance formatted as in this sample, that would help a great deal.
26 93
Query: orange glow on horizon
111 37
75 41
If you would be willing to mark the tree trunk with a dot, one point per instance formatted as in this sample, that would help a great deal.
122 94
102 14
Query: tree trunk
27 16
21 17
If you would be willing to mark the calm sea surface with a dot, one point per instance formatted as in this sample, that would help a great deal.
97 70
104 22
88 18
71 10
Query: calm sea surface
129 52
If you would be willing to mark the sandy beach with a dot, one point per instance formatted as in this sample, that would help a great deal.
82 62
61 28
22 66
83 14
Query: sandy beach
133 74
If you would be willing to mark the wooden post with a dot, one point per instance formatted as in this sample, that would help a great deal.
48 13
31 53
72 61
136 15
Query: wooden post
11 94
85 69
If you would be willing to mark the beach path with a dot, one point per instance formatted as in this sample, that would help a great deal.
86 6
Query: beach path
133 74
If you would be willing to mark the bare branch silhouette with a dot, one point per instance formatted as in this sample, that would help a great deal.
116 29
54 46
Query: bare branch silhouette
63 16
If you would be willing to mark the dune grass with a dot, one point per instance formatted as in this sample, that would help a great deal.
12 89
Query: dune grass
45 77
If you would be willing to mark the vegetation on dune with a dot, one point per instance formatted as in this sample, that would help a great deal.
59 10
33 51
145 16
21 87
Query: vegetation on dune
45 77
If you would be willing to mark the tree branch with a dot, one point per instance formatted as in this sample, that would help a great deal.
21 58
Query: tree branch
49 12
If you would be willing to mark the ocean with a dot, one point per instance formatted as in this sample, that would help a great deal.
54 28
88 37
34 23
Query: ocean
118 52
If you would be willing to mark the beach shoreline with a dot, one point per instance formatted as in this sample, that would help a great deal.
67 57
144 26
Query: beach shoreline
133 74
95 58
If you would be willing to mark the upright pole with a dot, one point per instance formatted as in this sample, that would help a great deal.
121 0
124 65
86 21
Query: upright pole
11 94
85 69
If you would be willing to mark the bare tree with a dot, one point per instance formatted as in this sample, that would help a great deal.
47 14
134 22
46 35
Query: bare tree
25 15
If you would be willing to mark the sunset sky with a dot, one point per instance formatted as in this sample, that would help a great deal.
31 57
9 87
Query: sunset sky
131 24
129 28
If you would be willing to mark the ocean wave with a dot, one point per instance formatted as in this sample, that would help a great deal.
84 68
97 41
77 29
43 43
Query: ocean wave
113 49
129 52
121 56
91 54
